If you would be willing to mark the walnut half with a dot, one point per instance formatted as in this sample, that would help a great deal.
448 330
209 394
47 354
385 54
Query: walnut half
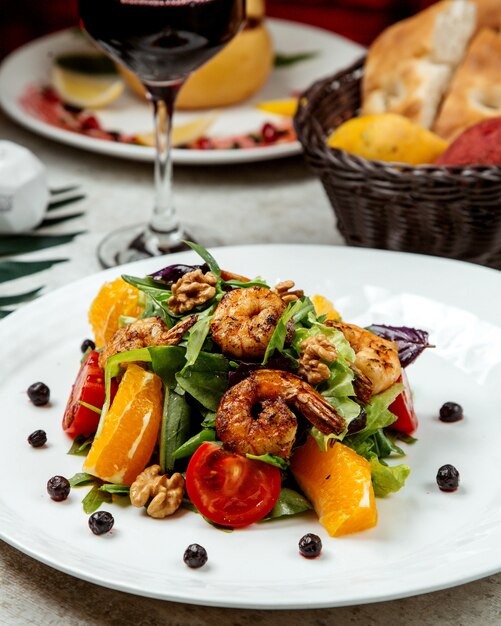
164 494
314 352
191 290
284 290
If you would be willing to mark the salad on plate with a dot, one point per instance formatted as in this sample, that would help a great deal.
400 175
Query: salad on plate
241 401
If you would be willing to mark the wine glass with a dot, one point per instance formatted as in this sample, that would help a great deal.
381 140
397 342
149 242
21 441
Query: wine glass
161 41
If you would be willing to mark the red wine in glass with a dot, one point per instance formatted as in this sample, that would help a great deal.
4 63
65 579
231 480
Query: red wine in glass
162 42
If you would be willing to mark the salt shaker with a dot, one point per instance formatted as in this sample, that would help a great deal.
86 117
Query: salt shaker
24 192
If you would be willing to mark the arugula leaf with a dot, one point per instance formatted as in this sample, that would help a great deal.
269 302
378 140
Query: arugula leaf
166 361
80 445
145 284
95 409
240 284
94 499
207 257
174 429
289 503
271 459
197 336
191 446
82 479
116 490
206 380
112 369
296 311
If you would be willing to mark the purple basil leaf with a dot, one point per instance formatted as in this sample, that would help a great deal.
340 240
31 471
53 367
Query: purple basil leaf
411 341
172 273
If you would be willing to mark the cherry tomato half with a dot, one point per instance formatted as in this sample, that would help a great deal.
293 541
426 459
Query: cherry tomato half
230 489
403 408
89 388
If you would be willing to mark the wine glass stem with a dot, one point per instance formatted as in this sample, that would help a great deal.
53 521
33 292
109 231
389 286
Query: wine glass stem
164 222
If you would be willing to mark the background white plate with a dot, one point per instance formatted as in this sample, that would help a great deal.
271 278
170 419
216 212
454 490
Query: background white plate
425 539
31 65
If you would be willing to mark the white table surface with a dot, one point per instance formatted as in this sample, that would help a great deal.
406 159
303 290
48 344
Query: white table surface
278 201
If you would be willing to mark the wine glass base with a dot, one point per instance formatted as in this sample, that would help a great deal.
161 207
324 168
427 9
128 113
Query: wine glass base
129 244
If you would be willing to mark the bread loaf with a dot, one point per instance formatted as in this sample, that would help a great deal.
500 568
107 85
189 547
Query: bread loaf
475 91
488 14
410 64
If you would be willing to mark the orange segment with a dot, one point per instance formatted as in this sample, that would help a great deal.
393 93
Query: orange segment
129 432
113 300
338 484
323 306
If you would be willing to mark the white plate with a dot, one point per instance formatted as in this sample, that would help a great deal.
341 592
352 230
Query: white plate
30 65
425 539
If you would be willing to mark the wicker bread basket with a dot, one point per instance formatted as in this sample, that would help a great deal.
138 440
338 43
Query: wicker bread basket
440 210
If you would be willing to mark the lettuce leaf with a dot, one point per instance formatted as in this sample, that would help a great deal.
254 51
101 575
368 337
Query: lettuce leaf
338 389
378 415
386 479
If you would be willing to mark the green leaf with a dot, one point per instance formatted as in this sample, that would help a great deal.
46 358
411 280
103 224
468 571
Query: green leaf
174 429
80 445
21 297
112 369
10 270
295 310
21 244
89 64
378 415
207 257
53 221
116 490
191 446
166 361
82 479
94 499
58 204
239 284
270 459
289 502
197 336
95 409
286 60
206 380
56 191
386 479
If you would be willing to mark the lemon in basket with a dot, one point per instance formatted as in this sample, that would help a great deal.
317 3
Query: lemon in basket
388 137
87 81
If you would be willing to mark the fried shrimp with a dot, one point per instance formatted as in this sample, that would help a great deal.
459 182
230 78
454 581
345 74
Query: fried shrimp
255 416
376 359
150 331
244 321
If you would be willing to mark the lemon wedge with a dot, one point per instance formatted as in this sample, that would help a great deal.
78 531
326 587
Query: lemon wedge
387 137
87 91
181 134
285 106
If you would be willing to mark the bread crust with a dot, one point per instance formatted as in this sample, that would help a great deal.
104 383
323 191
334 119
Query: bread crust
488 14
475 92
410 64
